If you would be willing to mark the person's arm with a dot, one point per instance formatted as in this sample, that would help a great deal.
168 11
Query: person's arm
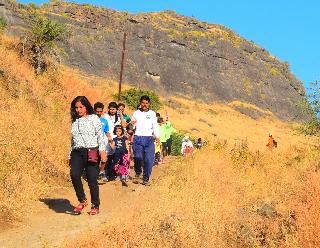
155 128
69 156
123 122
133 118
112 144
100 138
128 148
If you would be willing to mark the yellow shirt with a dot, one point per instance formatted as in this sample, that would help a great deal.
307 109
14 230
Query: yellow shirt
157 147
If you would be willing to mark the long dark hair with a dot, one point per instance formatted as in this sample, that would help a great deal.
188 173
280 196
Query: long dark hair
85 102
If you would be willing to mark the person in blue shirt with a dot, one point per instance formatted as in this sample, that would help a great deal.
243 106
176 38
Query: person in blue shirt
98 109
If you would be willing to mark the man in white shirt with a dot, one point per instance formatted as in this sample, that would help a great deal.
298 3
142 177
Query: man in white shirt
147 130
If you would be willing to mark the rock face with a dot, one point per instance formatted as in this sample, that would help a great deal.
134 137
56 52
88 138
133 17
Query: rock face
174 55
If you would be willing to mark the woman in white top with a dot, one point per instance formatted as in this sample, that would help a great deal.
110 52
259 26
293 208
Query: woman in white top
186 146
87 144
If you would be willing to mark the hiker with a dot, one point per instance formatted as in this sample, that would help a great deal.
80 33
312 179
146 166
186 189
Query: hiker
169 131
271 143
157 153
87 143
114 118
199 144
121 160
186 146
147 130
122 108
130 137
163 138
98 109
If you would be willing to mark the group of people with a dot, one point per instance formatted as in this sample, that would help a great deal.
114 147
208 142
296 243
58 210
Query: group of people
104 143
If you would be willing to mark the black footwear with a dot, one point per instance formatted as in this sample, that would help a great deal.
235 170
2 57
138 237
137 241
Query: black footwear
136 179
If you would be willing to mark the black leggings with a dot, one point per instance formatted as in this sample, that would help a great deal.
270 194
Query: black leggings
79 162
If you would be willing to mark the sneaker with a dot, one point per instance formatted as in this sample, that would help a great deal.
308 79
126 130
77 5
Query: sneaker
102 177
146 183
124 183
78 209
136 178
94 210
118 178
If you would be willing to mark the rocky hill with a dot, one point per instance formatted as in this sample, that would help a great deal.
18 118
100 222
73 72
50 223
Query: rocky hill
171 54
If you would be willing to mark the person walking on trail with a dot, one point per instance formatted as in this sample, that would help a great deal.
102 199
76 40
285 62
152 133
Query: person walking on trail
122 110
199 144
87 143
121 160
157 151
169 130
114 118
164 136
98 109
147 130
130 137
271 143
186 146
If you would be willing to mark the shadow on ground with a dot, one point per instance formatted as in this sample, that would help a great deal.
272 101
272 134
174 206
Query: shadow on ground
58 205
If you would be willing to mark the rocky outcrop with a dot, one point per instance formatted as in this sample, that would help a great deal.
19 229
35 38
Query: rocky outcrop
175 55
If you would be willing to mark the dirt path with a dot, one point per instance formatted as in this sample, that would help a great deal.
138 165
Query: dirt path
50 224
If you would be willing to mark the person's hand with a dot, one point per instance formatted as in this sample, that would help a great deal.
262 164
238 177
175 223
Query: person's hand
103 156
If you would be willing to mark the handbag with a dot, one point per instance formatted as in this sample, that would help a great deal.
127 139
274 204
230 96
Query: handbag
92 153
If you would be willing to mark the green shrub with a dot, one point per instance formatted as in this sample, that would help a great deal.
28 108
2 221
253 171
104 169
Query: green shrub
41 40
132 98
3 24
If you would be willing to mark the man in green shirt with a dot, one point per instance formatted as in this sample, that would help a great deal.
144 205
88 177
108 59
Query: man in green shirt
169 131
163 137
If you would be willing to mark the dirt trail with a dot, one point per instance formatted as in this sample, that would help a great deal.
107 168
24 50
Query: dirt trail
50 224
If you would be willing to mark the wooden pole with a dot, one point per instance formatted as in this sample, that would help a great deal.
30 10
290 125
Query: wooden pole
122 63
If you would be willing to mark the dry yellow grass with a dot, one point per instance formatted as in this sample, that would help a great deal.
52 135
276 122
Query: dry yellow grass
209 201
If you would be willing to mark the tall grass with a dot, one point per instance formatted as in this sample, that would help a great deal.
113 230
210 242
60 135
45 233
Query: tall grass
212 202
34 128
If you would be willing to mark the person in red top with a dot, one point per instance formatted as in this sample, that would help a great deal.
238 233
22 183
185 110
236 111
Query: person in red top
271 142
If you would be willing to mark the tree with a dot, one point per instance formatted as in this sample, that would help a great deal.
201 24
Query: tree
41 40
312 103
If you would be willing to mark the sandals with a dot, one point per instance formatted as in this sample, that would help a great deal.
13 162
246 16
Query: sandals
94 210
78 209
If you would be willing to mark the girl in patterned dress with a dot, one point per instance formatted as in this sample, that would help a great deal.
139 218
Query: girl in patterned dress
121 160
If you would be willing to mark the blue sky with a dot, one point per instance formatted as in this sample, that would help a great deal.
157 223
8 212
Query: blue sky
287 29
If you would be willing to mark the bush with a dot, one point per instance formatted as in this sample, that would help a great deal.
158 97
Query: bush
41 40
3 24
132 98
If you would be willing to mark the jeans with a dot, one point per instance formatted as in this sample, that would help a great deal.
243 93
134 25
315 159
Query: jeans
79 162
143 148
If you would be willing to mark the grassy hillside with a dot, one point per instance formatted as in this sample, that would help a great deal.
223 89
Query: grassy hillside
235 193
213 201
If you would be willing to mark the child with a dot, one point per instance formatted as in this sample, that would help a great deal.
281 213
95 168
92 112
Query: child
157 157
130 137
121 160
